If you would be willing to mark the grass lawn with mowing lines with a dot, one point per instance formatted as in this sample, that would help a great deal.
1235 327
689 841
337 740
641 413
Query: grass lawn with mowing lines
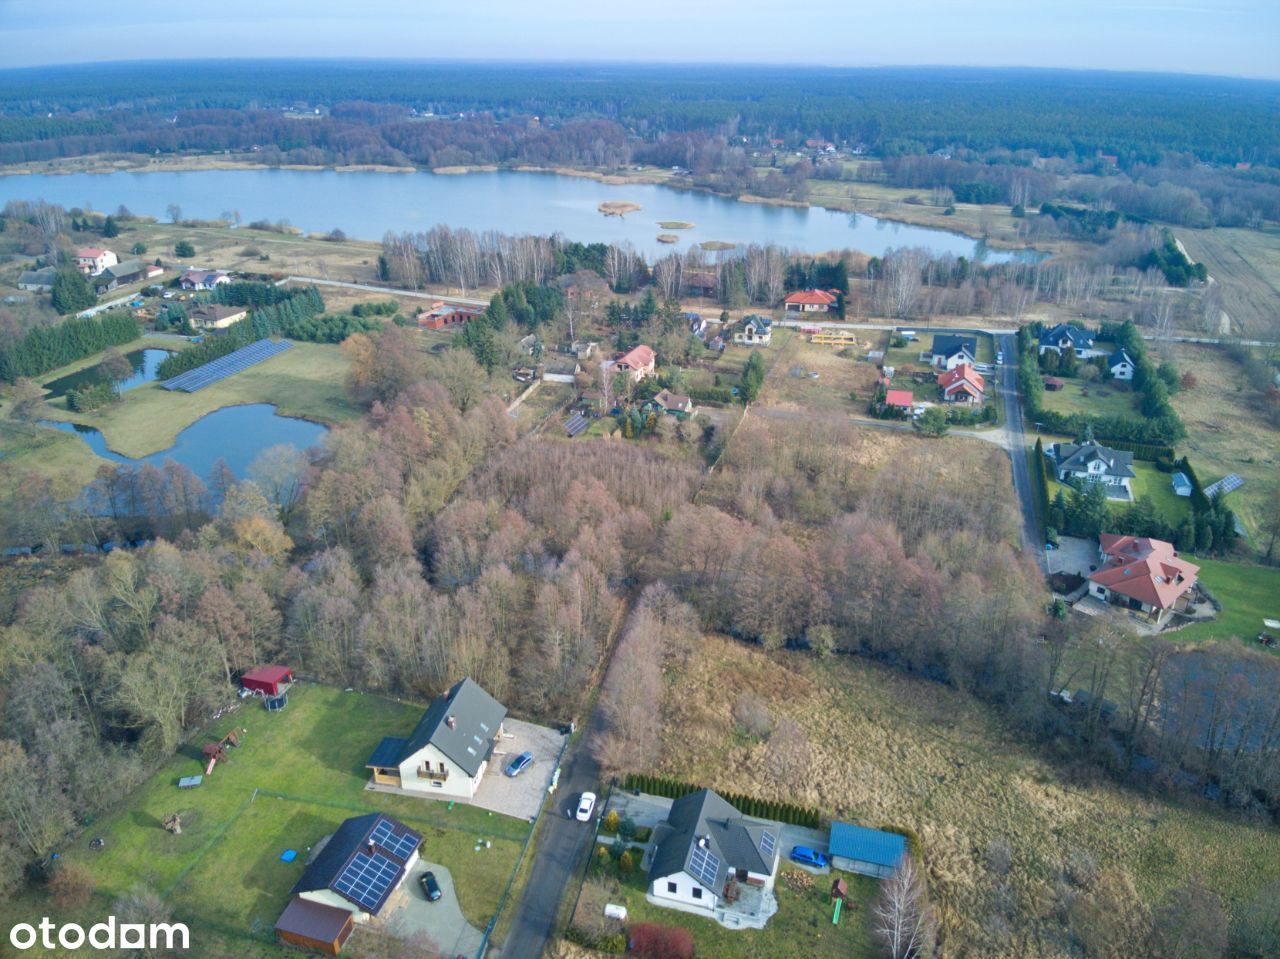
1102 399
223 873
1248 595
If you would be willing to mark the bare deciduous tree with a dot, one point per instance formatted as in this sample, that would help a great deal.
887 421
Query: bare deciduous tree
903 921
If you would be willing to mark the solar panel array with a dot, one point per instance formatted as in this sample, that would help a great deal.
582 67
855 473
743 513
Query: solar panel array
401 846
703 866
576 424
767 844
367 879
1226 485
224 366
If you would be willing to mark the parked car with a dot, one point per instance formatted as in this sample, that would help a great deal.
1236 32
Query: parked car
520 764
999 357
586 806
808 857
430 888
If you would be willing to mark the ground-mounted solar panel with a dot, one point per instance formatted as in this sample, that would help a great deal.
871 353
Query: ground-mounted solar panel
205 375
1227 484
767 843
576 424
401 846
703 866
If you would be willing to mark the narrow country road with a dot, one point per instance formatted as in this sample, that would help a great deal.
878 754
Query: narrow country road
1016 444
419 294
559 852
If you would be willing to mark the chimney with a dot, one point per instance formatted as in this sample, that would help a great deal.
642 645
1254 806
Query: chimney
451 722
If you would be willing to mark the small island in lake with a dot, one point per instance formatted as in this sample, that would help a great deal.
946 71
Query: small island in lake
618 207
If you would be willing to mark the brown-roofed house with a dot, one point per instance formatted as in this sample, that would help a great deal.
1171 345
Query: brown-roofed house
674 403
638 362
811 301
1143 574
313 925
963 384
215 316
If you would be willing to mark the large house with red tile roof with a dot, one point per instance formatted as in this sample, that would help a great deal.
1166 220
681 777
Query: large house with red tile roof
1142 574
92 260
963 384
811 301
638 362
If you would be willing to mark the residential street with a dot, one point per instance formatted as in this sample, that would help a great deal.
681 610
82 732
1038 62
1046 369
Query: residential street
1016 443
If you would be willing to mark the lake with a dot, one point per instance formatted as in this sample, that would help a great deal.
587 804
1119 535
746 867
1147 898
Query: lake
236 434
145 363
367 204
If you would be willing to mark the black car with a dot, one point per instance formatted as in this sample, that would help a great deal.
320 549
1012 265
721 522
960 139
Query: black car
429 886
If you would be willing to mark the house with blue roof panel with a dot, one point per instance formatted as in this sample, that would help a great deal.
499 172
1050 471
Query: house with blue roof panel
868 852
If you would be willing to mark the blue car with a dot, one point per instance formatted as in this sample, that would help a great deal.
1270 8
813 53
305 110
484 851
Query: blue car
808 857
520 764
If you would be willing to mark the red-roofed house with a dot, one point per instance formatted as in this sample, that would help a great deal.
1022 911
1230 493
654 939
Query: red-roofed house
442 316
811 301
964 384
899 398
93 261
1143 574
638 362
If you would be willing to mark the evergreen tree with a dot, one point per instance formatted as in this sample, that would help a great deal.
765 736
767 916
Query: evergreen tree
184 249
71 292
110 228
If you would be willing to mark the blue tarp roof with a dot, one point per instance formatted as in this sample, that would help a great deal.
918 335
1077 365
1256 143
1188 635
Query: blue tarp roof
388 752
866 845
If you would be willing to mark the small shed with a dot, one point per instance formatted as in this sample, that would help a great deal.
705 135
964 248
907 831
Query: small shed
313 925
868 852
1052 383
1181 484
267 680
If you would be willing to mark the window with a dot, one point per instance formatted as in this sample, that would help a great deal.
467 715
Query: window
437 784
672 887
697 892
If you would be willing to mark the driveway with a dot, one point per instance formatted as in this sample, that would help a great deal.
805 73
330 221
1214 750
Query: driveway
520 796
442 921
1073 555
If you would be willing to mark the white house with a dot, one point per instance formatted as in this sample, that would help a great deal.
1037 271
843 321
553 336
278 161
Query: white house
360 866
708 859
1121 365
950 351
449 751
92 260
756 331
1065 337
1092 462
203 279
1142 574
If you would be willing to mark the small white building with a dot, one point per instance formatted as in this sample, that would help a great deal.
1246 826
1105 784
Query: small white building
203 279
756 331
1121 365
449 751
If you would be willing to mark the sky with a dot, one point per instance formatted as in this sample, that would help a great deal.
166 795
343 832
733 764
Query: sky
1226 37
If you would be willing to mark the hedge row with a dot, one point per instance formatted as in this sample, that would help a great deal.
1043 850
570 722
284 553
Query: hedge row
789 813
46 348
1040 480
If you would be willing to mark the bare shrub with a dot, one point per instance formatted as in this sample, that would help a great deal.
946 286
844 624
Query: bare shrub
752 717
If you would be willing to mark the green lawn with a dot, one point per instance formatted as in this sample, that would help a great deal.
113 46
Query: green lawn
909 355
1102 399
801 929
1149 481
1248 595
297 776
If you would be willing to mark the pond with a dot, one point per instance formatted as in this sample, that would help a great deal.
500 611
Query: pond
145 363
367 204
236 434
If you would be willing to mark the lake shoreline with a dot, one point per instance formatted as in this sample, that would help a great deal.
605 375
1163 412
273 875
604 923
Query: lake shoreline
215 162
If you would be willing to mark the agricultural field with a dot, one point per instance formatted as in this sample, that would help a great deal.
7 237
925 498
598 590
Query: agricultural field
297 775
1249 594
887 749
1246 266
801 929
1226 431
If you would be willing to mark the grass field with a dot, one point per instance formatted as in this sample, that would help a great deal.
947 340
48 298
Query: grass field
1248 595
838 376
306 381
1101 399
889 749
801 929
1246 265
297 776
1147 481
1226 431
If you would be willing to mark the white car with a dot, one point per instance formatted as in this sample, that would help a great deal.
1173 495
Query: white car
586 806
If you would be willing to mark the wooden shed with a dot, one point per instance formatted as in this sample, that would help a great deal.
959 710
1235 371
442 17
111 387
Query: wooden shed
315 926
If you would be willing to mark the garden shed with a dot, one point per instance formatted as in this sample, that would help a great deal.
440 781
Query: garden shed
868 852
313 925
268 680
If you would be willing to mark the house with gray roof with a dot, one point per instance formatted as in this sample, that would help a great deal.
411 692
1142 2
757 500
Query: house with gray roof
710 860
1121 365
1092 462
37 281
949 351
448 752
360 866
1066 336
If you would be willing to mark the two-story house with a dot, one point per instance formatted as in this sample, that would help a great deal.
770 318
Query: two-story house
1142 574
91 260
638 362
448 752
1066 336
1121 365
1092 462
949 351
755 331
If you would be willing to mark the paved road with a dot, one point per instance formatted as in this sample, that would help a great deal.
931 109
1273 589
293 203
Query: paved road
1016 443
559 852
420 294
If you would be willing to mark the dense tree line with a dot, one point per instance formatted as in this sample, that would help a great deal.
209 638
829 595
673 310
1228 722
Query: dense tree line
46 348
